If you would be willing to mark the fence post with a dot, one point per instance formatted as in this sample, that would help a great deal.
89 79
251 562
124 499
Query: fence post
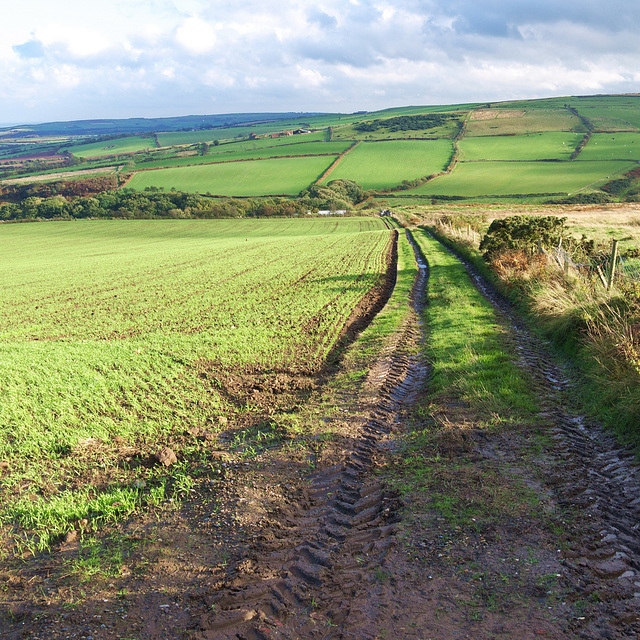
612 264
566 263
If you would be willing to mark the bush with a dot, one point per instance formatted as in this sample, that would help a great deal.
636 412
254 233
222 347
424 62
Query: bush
521 233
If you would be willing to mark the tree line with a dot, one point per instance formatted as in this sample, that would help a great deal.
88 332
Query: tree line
46 202
406 123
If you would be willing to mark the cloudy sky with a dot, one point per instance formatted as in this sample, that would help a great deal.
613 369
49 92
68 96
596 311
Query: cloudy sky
76 59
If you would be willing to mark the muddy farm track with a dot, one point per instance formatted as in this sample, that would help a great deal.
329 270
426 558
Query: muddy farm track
326 546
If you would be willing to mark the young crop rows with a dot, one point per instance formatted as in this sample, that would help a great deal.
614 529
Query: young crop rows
106 327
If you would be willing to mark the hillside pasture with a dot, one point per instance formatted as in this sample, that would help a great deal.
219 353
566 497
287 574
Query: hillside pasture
496 122
261 152
612 146
169 139
613 113
533 146
380 165
285 176
349 132
503 178
118 146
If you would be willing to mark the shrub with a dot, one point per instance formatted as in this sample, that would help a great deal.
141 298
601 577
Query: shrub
521 233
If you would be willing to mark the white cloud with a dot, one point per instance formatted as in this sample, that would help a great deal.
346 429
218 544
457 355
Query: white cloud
113 59
78 41
195 35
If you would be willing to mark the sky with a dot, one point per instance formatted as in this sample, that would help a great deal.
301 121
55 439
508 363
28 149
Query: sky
81 59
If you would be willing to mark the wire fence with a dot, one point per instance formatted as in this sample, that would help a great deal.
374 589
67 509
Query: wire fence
607 268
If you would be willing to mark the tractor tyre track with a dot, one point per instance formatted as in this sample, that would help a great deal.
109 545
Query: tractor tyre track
307 575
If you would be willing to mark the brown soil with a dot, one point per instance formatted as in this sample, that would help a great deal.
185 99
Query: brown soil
336 535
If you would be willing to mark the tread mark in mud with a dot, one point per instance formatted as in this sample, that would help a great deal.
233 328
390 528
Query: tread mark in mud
345 529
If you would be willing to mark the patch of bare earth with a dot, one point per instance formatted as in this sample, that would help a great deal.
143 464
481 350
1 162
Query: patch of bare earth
392 519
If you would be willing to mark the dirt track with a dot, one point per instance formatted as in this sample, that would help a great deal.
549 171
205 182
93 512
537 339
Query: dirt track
322 546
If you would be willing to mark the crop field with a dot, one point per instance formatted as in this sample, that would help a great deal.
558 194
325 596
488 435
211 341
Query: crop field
117 330
612 146
300 149
378 165
251 178
533 146
112 147
494 122
502 178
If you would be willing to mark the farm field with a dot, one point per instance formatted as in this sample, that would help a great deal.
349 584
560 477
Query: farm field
251 178
379 165
113 147
349 132
190 137
115 329
612 146
260 143
493 122
503 178
520 131
533 146
300 149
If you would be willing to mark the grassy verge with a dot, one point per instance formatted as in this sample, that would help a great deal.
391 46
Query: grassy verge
465 340
594 329
473 463
475 388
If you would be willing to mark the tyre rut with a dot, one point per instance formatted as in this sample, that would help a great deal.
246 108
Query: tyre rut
308 580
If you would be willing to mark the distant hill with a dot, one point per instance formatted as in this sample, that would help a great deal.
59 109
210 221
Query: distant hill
143 125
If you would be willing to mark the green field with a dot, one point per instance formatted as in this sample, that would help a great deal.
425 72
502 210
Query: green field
533 146
286 176
262 152
502 178
349 132
612 146
494 122
379 165
116 329
190 137
112 147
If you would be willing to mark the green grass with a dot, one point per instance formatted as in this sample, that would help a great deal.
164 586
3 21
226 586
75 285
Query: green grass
533 146
125 329
513 121
286 176
465 341
348 132
260 152
115 147
612 146
502 178
379 165
190 137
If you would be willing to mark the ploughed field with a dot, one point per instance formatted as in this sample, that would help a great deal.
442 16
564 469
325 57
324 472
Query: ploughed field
135 332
